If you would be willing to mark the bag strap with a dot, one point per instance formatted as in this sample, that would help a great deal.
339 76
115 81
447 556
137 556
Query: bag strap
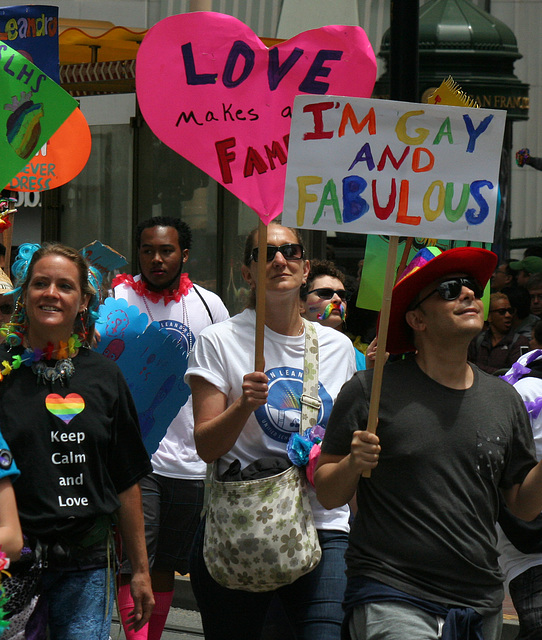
204 303
310 402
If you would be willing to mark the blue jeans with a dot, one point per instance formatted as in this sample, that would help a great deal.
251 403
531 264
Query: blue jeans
77 603
400 620
526 594
313 603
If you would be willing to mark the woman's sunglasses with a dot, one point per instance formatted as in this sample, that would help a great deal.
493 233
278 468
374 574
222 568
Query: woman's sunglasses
289 251
451 289
326 294
6 309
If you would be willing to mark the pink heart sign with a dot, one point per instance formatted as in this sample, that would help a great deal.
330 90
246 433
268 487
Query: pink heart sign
211 90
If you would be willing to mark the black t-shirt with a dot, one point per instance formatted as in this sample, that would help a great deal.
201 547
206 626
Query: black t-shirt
426 516
77 446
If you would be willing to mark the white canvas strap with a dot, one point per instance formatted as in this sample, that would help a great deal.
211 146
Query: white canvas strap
310 402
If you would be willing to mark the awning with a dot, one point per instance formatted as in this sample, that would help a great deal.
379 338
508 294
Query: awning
97 57
83 41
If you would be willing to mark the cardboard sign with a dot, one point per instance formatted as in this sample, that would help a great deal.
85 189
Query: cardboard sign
393 168
60 159
152 361
32 108
213 92
103 258
33 31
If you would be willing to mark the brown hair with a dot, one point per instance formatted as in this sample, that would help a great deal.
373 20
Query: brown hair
55 248
321 268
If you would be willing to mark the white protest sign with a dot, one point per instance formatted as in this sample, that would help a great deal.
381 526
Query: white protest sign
384 167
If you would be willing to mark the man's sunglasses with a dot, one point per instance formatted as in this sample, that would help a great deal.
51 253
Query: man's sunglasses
451 289
502 312
326 294
6 309
289 251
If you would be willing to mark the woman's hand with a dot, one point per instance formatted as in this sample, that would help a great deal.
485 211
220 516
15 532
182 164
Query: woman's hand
217 425
255 390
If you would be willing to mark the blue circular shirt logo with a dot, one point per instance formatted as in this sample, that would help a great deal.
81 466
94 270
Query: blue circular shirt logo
281 416
180 332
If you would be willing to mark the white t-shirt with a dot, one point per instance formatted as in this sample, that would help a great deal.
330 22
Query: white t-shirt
512 561
225 353
176 455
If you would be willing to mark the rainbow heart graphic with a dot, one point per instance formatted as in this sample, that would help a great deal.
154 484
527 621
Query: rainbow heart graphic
65 408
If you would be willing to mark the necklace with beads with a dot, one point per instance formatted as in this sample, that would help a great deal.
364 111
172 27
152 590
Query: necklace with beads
62 370
186 320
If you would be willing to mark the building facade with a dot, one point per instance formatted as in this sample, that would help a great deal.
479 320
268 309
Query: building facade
131 175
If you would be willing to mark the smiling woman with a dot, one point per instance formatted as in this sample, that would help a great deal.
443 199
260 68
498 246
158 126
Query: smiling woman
81 456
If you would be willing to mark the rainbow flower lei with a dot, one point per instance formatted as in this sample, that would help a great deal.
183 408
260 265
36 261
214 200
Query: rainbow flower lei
31 356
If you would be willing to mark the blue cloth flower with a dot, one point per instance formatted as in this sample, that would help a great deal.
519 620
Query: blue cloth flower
298 449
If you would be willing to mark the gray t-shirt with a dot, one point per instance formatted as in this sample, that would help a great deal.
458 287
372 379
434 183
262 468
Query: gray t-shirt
426 516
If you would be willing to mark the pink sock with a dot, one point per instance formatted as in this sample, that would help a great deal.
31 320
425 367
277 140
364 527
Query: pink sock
162 604
126 604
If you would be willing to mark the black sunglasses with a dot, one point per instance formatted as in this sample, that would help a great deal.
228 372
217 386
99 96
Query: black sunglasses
503 312
6 309
289 251
451 289
327 293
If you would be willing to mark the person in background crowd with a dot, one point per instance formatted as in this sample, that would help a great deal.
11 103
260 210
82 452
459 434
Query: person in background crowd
70 422
238 418
502 277
324 299
534 287
421 560
523 571
523 321
497 348
324 295
526 268
173 492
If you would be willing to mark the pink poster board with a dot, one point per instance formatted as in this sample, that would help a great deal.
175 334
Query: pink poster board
211 90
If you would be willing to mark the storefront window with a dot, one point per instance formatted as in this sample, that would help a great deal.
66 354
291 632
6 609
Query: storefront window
97 204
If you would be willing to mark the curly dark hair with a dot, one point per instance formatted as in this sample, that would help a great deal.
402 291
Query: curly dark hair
183 230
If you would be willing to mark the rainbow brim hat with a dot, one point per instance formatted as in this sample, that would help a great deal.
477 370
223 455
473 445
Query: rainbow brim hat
428 265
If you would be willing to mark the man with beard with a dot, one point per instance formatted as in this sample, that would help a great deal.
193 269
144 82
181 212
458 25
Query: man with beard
173 493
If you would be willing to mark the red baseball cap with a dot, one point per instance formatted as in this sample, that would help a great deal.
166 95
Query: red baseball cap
428 265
